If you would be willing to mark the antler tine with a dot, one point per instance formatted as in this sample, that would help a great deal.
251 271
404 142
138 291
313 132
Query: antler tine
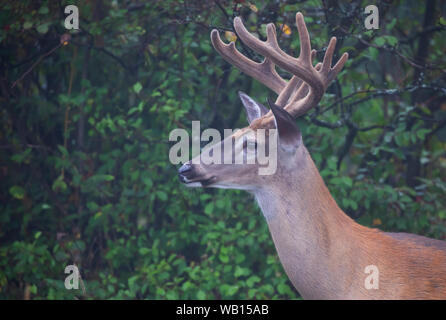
301 102
264 72
299 93
291 86
327 71
304 38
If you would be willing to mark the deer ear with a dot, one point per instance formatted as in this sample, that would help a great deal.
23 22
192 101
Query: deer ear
290 137
253 109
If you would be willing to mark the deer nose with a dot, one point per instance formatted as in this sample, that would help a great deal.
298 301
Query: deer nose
184 172
185 168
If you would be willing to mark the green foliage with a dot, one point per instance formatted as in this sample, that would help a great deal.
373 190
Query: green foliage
84 163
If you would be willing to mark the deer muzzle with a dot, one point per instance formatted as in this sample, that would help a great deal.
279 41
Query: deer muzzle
189 175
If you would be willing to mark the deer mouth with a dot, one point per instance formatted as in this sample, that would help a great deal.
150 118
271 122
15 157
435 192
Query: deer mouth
188 175
208 182
197 182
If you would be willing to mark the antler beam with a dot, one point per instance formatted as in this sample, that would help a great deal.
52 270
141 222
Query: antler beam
264 72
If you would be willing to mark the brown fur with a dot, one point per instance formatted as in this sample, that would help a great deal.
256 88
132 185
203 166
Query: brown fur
324 252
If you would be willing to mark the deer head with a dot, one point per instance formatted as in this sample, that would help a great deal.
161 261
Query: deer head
271 132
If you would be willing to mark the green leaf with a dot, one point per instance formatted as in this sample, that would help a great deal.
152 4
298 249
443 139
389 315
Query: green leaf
232 290
201 295
342 181
282 288
353 205
209 208
44 10
147 181
391 40
98 178
380 41
347 181
33 289
27 25
63 150
161 195
241 271
422 133
21 157
220 203
43 28
252 280
17 192
223 256
137 87
391 24
59 184
144 251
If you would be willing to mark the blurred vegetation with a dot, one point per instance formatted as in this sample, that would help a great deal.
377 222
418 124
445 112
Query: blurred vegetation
84 168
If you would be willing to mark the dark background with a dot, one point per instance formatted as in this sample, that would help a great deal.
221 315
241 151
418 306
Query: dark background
84 169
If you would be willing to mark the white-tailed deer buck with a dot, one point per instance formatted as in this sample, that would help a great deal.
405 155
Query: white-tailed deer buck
324 252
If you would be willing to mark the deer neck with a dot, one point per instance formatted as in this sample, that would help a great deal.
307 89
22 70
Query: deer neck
314 238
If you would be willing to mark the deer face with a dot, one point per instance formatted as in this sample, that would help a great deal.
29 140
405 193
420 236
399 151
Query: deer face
250 157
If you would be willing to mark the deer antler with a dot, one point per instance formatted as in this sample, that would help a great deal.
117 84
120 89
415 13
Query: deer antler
308 84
